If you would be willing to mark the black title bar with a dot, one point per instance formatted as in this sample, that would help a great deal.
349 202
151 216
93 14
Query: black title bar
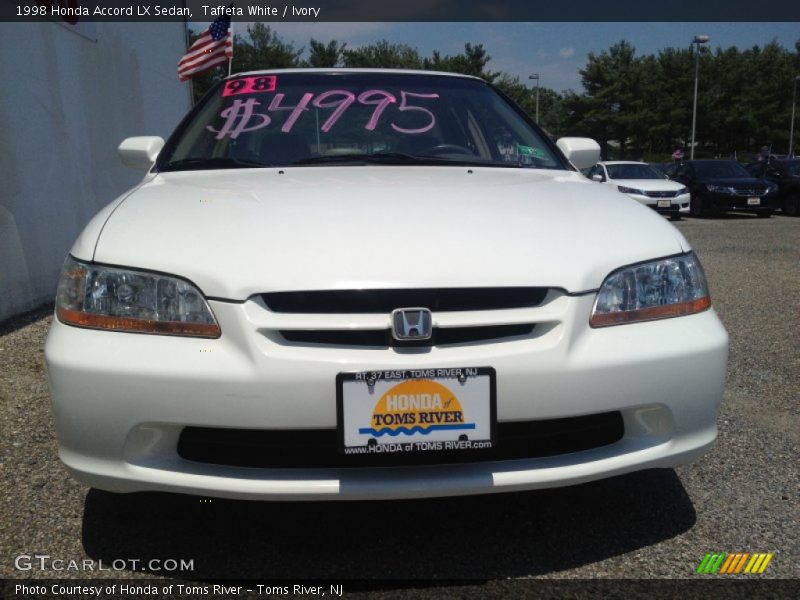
400 10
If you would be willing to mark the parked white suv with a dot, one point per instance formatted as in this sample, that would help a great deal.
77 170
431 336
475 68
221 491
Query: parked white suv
644 184
360 284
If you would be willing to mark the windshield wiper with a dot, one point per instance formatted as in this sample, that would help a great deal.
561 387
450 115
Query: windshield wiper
189 164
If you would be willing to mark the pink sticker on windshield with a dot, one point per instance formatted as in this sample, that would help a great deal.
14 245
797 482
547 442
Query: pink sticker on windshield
250 85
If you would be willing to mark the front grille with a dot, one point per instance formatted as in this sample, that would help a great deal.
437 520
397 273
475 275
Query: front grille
383 338
668 194
317 448
385 301
743 191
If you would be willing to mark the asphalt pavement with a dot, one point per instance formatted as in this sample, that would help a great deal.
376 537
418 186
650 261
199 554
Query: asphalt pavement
743 496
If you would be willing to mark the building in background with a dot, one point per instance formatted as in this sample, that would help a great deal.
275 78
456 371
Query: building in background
70 93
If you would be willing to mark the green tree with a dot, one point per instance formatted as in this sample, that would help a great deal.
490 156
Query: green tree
264 49
670 96
552 114
325 55
643 105
581 120
383 55
471 62
610 80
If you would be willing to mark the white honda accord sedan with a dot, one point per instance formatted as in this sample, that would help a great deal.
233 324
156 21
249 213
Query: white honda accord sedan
644 184
365 284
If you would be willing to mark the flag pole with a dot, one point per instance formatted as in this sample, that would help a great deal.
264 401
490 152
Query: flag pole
233 41
187 42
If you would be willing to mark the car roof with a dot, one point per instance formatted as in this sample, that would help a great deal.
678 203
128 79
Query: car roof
332 70
622 162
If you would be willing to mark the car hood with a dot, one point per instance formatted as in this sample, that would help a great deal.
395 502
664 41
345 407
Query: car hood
734 181
236 233
649 185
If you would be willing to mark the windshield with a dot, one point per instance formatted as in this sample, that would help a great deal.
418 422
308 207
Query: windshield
721 169
309 119
633 171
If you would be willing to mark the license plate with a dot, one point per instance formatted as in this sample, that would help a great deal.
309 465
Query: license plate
664 204
753 201
416 410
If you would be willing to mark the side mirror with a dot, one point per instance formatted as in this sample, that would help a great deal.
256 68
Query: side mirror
140 152
598 178
666 176
581 152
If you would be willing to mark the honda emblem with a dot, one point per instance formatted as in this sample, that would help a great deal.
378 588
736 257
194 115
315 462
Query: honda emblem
412 324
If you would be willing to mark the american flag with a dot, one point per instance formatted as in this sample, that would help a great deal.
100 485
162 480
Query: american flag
213 47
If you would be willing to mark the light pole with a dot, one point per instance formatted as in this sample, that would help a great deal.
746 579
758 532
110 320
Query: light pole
698 39
536 77
791 127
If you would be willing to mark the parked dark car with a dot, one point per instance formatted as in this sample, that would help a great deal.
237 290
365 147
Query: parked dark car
784 173
723 185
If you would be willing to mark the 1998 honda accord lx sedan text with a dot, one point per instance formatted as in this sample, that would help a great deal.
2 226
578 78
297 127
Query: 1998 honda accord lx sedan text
355 284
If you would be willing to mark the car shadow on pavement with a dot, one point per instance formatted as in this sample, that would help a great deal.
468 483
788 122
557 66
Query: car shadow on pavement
12 324
475 537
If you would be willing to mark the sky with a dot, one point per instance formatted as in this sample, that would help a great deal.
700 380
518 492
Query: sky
554 50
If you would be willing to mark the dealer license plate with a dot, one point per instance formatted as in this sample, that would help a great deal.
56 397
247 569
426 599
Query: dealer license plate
664 204
416 410
753 201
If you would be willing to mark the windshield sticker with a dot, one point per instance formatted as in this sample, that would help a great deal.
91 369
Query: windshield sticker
241 117
250 85
531 151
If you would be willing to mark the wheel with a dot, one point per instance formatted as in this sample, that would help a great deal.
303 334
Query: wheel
764 215
791 205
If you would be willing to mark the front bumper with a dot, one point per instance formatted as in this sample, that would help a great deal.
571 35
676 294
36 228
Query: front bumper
121 400
725 202
677 204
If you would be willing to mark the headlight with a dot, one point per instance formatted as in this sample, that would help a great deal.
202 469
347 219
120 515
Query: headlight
772 188
719 189
100 297
670 287
627 190
682 191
